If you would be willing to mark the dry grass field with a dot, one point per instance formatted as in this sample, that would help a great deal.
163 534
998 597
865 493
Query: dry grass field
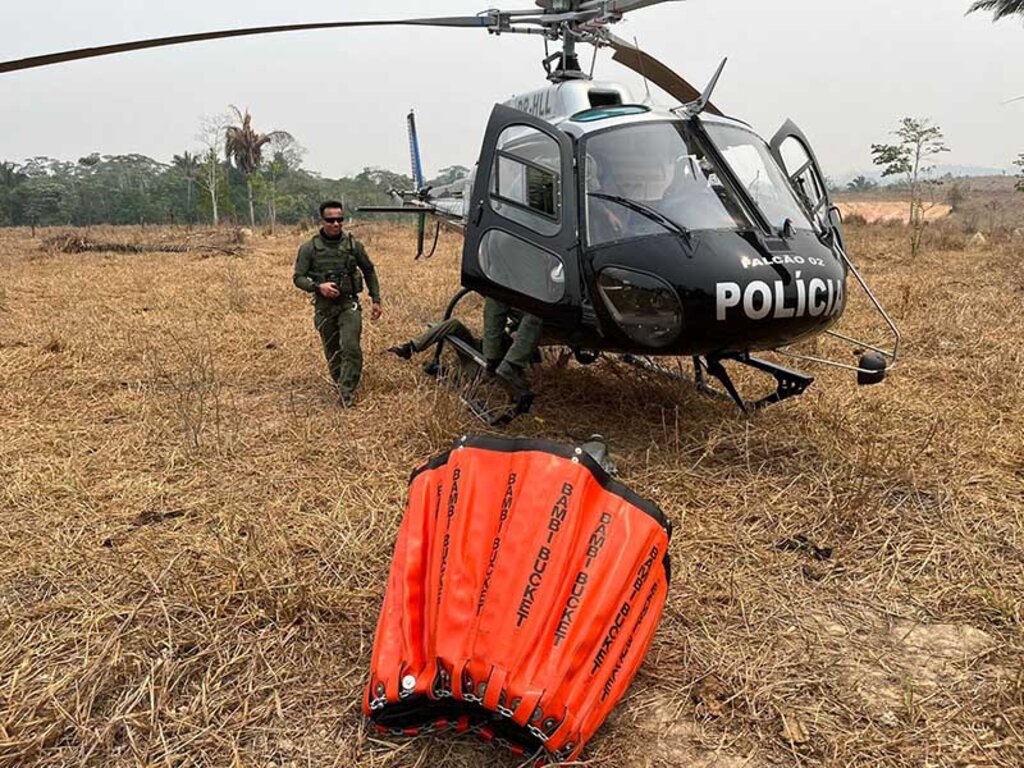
194 537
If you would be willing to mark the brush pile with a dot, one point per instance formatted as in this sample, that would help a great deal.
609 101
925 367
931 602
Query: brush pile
78 241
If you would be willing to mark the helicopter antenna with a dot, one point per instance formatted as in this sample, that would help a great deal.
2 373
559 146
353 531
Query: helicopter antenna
643 71
698 106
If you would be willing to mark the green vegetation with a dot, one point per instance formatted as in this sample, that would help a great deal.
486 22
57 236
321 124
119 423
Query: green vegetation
243 146
267 185
999 8
861 184
919 141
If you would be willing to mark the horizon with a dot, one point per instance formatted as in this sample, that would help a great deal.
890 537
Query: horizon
920 58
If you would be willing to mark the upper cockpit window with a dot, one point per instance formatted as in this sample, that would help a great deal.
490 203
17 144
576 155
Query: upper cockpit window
603 113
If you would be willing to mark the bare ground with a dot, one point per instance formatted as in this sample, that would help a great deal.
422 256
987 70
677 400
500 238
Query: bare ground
194 538
890 210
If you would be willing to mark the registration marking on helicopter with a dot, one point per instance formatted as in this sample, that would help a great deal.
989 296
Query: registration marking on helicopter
758 299
537 103
785 259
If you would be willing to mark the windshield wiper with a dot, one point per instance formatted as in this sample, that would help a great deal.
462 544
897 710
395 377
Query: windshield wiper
645 210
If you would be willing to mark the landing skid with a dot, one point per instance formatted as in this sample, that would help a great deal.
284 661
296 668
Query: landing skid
487 396
788 383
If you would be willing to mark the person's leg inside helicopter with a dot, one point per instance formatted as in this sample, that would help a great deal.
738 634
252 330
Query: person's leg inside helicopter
510 342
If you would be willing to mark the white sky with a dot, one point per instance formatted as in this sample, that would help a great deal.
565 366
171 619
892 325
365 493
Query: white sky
846 72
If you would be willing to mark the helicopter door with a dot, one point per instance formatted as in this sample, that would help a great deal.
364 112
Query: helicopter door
794 155
521 242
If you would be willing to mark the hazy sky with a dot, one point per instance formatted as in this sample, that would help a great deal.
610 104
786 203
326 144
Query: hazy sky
846 72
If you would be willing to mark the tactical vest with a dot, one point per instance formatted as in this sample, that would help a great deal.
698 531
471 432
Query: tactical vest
338 265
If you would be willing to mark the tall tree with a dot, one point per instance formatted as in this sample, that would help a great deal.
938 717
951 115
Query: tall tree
1019 162
919 142
211 178
285 158
448 175
244 147
1000 8
187 165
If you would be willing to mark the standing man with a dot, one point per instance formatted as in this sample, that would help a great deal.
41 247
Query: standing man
329 267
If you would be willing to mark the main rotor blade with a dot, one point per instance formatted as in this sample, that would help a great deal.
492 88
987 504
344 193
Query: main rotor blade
621 6
649 67
484 20
609 6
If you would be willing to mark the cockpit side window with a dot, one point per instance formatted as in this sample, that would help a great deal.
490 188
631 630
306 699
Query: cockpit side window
661 167
525 180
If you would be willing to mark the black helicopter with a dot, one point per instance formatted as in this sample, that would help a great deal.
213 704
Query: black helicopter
629 228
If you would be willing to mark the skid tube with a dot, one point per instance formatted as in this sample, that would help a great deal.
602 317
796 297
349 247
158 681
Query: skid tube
788 382
475 387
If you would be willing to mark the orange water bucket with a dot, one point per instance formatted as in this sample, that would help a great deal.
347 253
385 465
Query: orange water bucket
525 588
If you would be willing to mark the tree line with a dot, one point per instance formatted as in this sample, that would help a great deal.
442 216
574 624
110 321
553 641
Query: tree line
235 175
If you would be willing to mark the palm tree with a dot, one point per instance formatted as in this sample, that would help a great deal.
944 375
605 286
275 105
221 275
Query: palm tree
999 8
244 147
187 164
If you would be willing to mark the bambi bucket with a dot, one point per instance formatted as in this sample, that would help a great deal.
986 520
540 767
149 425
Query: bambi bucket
525 588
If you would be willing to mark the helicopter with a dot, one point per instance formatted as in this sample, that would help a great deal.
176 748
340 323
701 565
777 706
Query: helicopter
627 227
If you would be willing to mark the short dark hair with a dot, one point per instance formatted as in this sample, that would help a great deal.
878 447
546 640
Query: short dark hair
330 204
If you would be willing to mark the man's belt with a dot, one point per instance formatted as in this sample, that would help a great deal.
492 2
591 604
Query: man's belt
340 298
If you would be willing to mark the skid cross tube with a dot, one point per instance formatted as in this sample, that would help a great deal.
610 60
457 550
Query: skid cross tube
788 383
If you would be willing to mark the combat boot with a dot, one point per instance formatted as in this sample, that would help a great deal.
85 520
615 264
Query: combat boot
404 351
514 375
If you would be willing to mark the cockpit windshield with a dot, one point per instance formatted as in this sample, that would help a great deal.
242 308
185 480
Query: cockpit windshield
651 178
750 160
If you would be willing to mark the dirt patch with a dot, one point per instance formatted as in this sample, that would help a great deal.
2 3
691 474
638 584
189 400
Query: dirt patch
671 738
896 210
887 667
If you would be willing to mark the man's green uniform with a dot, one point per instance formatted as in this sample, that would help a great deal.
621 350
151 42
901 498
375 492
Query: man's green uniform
338 321
497 317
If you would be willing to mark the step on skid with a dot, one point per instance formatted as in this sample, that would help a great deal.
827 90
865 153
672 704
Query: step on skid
490 397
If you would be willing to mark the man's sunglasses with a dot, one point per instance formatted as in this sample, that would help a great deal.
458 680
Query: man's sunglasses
334 219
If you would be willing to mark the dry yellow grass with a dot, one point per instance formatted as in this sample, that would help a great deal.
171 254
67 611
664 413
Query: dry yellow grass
890 210
194 538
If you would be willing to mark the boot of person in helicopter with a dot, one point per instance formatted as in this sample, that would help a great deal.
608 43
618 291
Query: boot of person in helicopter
434 335
510 362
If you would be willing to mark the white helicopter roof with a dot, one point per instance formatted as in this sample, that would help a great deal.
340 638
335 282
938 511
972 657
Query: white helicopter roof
559 102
